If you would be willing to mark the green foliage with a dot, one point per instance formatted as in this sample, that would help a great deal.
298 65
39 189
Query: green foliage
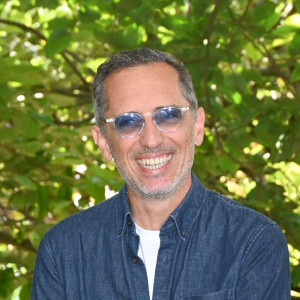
245 63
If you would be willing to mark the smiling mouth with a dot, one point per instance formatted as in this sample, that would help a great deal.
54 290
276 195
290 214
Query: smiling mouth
154 163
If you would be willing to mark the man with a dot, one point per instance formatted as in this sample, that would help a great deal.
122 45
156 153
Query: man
164 236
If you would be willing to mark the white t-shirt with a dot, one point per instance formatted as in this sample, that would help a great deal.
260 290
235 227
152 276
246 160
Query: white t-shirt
148 250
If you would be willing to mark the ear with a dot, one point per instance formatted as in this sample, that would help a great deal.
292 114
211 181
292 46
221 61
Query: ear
100 140
199 126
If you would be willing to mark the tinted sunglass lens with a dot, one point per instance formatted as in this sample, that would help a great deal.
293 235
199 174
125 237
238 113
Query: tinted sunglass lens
168 119
128 125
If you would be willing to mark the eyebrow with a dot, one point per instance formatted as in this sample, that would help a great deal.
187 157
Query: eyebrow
156 108
140 113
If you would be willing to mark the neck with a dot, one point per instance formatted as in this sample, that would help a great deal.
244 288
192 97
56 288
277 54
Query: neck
151 213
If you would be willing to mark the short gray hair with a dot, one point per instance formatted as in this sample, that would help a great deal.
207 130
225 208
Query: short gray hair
134 58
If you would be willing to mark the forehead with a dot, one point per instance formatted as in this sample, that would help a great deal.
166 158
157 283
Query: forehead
143 88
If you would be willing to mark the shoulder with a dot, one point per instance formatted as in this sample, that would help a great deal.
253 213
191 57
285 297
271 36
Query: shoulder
248 228
239 222
233 209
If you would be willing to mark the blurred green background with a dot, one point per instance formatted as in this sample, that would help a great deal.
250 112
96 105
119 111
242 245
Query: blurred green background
244 58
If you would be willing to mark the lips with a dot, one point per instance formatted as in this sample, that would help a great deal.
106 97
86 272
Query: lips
154 163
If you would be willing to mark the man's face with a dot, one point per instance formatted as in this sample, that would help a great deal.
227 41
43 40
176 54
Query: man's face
143 89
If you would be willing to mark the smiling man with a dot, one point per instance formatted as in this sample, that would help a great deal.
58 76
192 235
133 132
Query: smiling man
164 236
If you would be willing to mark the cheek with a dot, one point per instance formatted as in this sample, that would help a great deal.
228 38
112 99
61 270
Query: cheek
121 149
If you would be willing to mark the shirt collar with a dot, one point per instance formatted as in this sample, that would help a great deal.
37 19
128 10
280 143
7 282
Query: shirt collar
182 217
124 216
188 210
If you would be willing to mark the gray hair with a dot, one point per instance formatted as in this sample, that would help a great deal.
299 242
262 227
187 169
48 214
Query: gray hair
134 58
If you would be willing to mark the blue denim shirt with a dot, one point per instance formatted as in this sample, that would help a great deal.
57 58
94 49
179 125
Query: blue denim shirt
211 248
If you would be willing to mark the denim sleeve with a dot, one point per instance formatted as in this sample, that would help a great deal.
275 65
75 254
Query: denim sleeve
265 269
46 282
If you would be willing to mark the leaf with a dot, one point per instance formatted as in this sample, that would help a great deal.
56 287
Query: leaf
89 15
7 134
252 52
294 46
128 5
264 10
61 23
95 188
253 75
5 154
43 198
284 31
65 160
47 3
25 4
133 35
25 125
237 98
270 21
296 275
23 199
111 178
24 73
25 291
28 148
5 95
296 73
6 279
25 181
6 113
105 174
267 133
227 165
61 100
41 117
297 4
57 42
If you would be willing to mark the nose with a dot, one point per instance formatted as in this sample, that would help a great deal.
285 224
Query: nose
151 136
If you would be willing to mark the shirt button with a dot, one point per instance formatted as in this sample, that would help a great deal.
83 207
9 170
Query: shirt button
120 232
134 259
129 223
182 232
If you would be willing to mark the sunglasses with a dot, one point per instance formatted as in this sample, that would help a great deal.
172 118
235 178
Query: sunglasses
131 124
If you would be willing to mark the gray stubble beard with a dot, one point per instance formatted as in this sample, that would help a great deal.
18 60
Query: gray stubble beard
148 194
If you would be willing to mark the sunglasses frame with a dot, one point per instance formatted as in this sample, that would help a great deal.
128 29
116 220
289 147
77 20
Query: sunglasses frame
146 114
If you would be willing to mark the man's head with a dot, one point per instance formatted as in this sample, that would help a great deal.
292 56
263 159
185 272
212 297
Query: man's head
154 162
138 57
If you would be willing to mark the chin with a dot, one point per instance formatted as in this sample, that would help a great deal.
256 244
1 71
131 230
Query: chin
155 192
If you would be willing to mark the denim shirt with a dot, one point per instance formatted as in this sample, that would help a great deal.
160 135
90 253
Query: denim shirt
211 248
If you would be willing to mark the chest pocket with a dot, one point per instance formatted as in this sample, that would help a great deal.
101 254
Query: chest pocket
221 295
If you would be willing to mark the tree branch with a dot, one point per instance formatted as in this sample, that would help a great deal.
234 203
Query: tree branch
9 240
76 71
41 36
23 27
245 11
261 47
207 35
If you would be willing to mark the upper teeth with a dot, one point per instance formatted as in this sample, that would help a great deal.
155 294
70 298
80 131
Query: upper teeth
154 163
